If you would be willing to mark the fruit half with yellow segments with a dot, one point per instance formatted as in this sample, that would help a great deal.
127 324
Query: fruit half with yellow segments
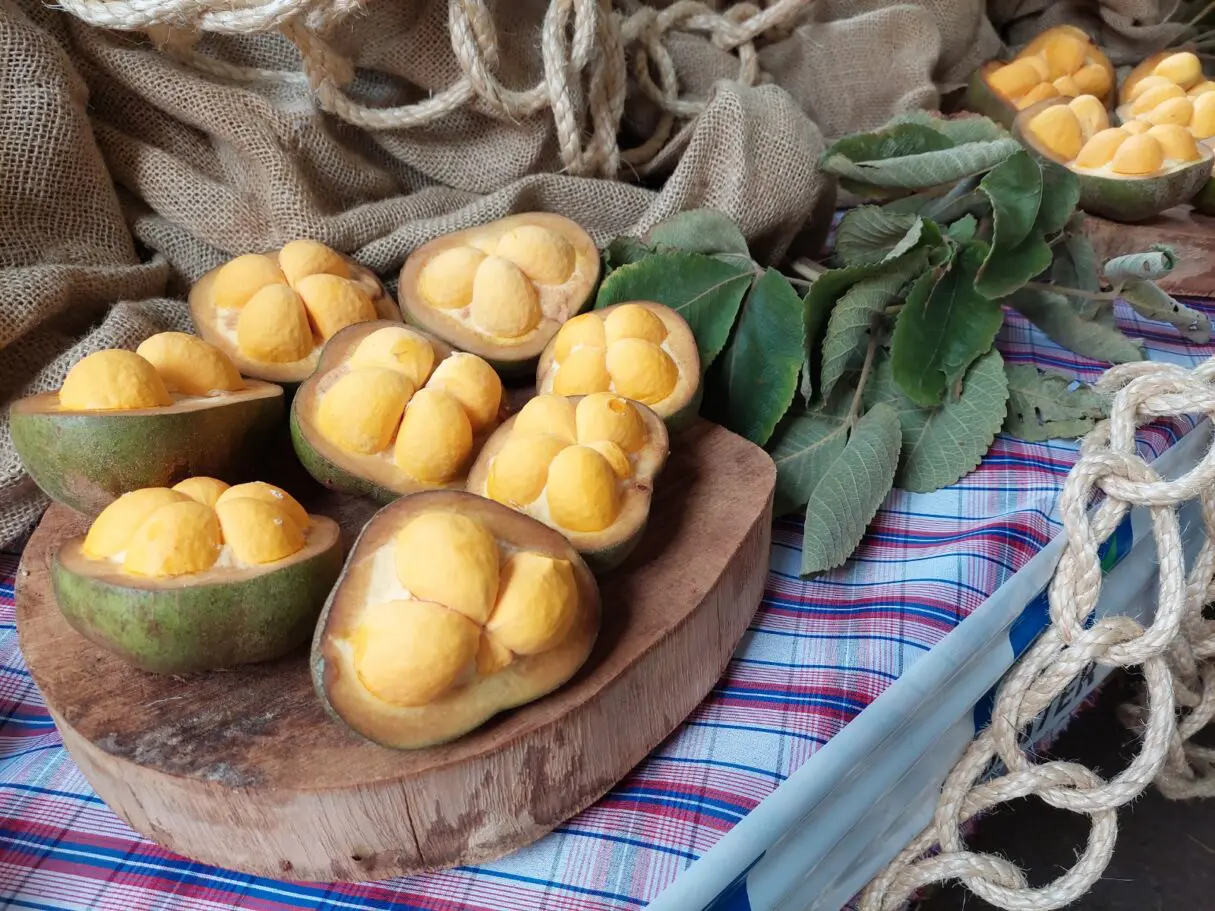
450 609
271 313
1125 174
1061 62
584 465
391 410
121 420
501 290
641 350
199 576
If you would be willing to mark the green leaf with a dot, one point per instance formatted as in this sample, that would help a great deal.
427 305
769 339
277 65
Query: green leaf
848 328
963 229
704 291
1009 269
943 444
941 330
869 234
1045 405
851 489
622 251
819 302
803 447
1075 266
943 211
1018 250
1148 300
892 165
1060 196
1058 319
755 379
965 128
1156 263
699 231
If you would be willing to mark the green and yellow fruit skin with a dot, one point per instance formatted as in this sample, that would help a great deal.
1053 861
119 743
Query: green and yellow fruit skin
173 627
87 459
981 98
513 359
1125 199
469 704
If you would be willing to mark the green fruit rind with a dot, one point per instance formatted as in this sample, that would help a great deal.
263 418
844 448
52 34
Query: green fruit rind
86 460
332 475
1204 201
981 98
186 629
605 559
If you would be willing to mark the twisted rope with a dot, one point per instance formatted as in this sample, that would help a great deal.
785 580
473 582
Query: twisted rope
1174 654
585 46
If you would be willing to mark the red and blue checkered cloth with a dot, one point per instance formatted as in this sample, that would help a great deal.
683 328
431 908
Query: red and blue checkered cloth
816 655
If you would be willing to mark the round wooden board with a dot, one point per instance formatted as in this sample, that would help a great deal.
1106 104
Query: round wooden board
243 769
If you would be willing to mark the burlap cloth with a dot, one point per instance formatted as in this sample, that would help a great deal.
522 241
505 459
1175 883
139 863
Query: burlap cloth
125 173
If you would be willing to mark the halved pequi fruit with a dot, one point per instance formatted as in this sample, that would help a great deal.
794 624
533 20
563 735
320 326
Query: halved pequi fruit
450 609
392 410
640 350
1062 62
584 465
174 407
502 290
1170 88
198 577
273 312
1126 173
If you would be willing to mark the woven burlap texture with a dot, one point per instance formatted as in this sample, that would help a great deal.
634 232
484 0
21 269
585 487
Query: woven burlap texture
135 158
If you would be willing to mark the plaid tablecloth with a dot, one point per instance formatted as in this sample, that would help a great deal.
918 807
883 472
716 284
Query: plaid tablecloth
816 655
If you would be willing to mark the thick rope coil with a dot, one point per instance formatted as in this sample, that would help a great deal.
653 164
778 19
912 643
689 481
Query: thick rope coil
1174 654
585 45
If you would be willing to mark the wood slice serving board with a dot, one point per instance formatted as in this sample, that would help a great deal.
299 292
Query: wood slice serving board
243 769
1190 234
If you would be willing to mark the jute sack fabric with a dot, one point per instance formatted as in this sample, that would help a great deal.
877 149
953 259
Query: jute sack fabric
141 144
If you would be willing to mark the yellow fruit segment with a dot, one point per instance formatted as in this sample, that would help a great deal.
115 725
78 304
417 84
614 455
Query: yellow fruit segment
113 380
176 540
474 384
189 365
1202 88
1036 94
1099 150
634 321
642 371
240 278
1064 54
362 410
1202 124
1093 79
504 300
449 559
301 258
202 490
551 414
492 656
582 490
1154 97
396 348
520 468
537 604
1058 130
543 255
606 417
615 457
334 303
409 653
1066 86
258 531
435 439
1146 84
260 490
1040 66
586 329
446 282
1091 113
1183 69
1014 79
1176 141
115 526
583 371
1175 110
1135 127
1138 155
274 326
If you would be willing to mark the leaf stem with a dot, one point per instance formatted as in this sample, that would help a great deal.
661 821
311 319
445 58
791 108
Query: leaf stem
808 269
854 410
1073 292
1206 9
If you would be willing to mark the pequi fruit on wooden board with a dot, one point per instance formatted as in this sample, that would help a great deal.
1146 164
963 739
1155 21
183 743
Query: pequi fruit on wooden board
1127 173
583 465
198 577
501 290
272 313
391 411
450 609
122 420
1062 62
641 350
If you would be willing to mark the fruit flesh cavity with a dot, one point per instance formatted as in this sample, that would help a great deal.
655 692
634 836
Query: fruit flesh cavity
1061 61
